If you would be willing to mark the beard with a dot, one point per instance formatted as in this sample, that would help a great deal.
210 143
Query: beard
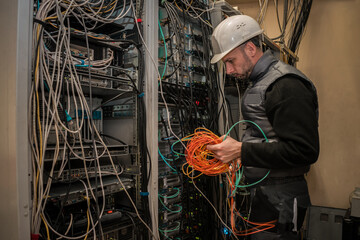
245 75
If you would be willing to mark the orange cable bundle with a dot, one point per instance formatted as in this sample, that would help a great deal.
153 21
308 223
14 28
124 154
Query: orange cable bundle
198 157
257 227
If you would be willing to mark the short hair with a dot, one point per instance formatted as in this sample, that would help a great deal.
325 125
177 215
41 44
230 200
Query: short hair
256 41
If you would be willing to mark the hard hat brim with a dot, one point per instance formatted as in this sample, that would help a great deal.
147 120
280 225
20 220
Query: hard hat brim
218 57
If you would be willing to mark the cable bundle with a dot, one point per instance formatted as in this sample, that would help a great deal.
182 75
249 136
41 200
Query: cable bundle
199 158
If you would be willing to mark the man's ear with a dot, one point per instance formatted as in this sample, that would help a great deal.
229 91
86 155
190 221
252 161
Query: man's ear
250 49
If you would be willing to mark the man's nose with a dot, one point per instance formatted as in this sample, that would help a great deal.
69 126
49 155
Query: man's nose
229 69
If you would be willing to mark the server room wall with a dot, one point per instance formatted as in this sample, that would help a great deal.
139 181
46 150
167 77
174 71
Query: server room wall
328 56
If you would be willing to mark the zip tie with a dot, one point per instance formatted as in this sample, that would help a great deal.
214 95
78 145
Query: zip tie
144 194
141 95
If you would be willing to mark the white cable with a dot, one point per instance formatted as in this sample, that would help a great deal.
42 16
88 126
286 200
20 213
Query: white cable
198 16
69 227
78 237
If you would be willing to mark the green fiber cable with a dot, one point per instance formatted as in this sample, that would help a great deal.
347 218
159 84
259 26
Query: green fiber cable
252 184
248 121
163 158
172 196
177 211
238 177
163 37
172 147
171 230
167 159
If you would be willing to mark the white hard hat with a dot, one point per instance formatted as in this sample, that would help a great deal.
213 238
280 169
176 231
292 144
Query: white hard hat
232 32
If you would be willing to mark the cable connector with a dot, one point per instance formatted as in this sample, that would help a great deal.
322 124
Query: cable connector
68 117
144 194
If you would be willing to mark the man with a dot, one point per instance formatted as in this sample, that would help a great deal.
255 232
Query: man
283 102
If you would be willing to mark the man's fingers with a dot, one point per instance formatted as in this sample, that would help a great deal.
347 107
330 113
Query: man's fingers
210 147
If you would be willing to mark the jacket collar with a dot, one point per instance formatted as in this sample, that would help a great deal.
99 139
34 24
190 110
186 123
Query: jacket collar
262 66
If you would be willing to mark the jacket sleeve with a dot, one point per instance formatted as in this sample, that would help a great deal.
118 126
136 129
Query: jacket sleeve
291 107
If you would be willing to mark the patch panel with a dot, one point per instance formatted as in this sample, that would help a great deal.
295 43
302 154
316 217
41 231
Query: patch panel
80 173
75 193
171 230
86 151
169 181
81 52
167 216
169 201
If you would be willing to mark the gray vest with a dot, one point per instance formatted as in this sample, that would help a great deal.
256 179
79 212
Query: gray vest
253 108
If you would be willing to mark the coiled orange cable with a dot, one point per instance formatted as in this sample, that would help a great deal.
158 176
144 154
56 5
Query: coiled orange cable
199 158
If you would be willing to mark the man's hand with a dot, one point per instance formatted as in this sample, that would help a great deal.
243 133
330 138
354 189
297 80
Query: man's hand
226 151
